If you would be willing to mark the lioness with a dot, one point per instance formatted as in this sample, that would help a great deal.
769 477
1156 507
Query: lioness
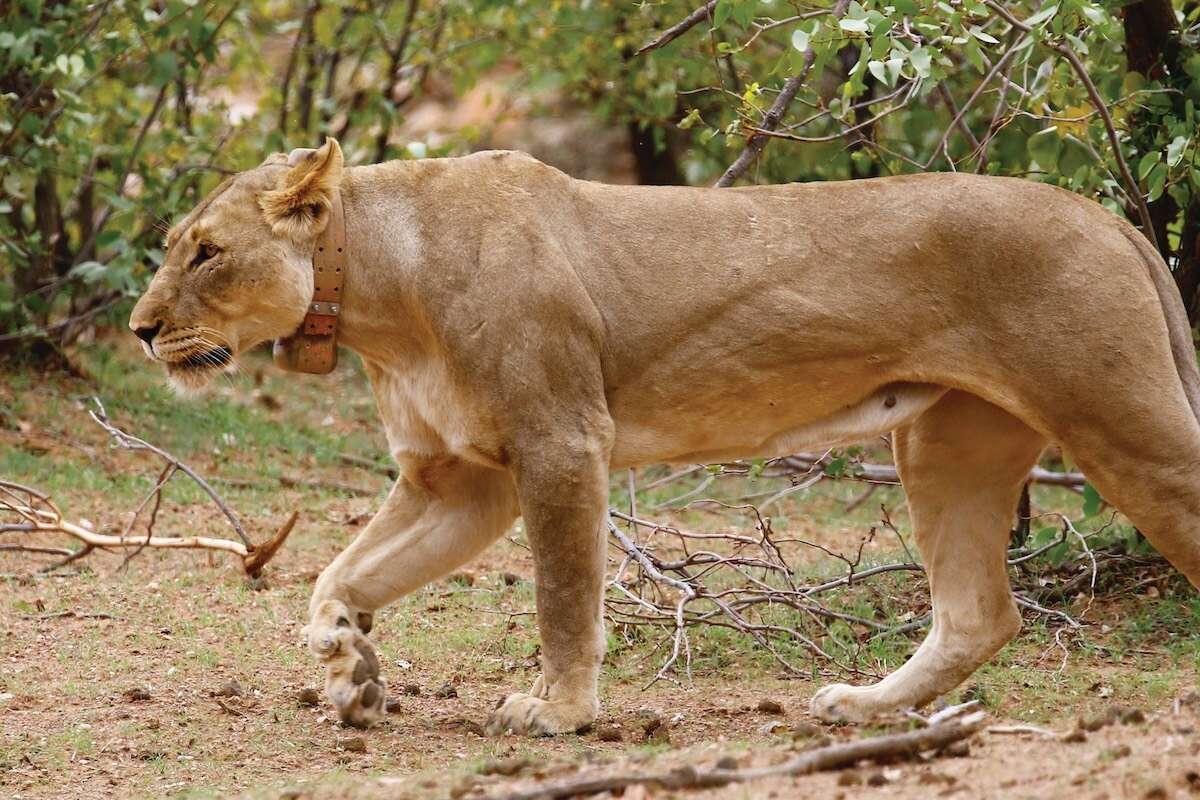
526 332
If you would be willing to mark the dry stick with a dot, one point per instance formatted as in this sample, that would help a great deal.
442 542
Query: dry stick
830 757
43 521
1131 185
130 442
758 140
675 31
292 482
886 473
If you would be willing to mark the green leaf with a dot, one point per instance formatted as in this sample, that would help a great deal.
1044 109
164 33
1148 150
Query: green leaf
1091 500
1041 16
921 60
163 67
800 39
982 35
325 25
1044 147
1175 150
879 71
1156 182
854 25
743 12
690 120
1073 155
1147 163
721 12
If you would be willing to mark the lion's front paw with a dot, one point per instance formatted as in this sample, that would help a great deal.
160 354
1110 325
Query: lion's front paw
533 716
841 703
352 680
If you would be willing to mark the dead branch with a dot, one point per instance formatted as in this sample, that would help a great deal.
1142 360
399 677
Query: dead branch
26 510
125 440
821 759
886 473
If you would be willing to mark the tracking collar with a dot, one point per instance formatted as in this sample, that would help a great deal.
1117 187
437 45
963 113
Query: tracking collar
313 347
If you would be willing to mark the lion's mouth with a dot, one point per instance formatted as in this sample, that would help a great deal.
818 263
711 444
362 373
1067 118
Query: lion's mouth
213 358
196 367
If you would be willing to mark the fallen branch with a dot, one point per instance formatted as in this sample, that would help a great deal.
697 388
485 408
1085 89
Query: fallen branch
25 510
886 473
129 442
830 757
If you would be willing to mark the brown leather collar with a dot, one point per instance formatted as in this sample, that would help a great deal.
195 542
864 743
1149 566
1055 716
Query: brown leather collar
313 347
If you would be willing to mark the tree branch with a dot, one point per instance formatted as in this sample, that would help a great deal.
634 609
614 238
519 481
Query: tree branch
758 141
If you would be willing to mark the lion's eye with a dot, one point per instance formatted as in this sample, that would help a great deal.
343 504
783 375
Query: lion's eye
206 251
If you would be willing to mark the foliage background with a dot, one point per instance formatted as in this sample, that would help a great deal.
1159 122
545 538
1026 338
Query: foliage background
116 116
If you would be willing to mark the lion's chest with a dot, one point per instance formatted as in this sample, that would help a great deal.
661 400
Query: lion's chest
424 415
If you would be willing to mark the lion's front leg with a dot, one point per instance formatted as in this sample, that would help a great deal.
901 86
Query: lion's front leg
563 500
421 533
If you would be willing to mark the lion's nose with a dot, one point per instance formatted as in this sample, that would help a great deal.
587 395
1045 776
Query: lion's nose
147 334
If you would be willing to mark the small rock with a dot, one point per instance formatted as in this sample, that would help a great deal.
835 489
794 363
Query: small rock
468 725
727 762
411 689
1132 716
849 778
136 693
877 779
393 706
768 706
446 691
660 736
6 697
609 733
308 697
931 778
806 730
230 689
956 750
510 579
464 788
1095 723
504 766
352 744
1156 792
1076 736
1120 751
773 727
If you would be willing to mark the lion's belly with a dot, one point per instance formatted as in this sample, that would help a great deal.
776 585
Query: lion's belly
707 438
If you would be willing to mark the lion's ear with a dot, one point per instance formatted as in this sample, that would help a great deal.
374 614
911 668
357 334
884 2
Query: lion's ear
300 208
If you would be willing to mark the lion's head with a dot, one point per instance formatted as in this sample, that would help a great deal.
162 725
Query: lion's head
238 268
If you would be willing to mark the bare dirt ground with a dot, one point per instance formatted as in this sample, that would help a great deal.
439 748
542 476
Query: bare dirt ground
171 676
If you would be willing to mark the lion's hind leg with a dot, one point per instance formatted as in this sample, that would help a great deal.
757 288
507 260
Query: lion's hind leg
962 463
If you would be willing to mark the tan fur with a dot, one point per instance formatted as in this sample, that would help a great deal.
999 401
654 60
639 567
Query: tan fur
525 333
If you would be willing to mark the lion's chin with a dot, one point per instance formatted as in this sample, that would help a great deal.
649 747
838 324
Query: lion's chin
190 375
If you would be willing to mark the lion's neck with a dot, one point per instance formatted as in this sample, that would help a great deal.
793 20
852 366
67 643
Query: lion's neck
380 320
